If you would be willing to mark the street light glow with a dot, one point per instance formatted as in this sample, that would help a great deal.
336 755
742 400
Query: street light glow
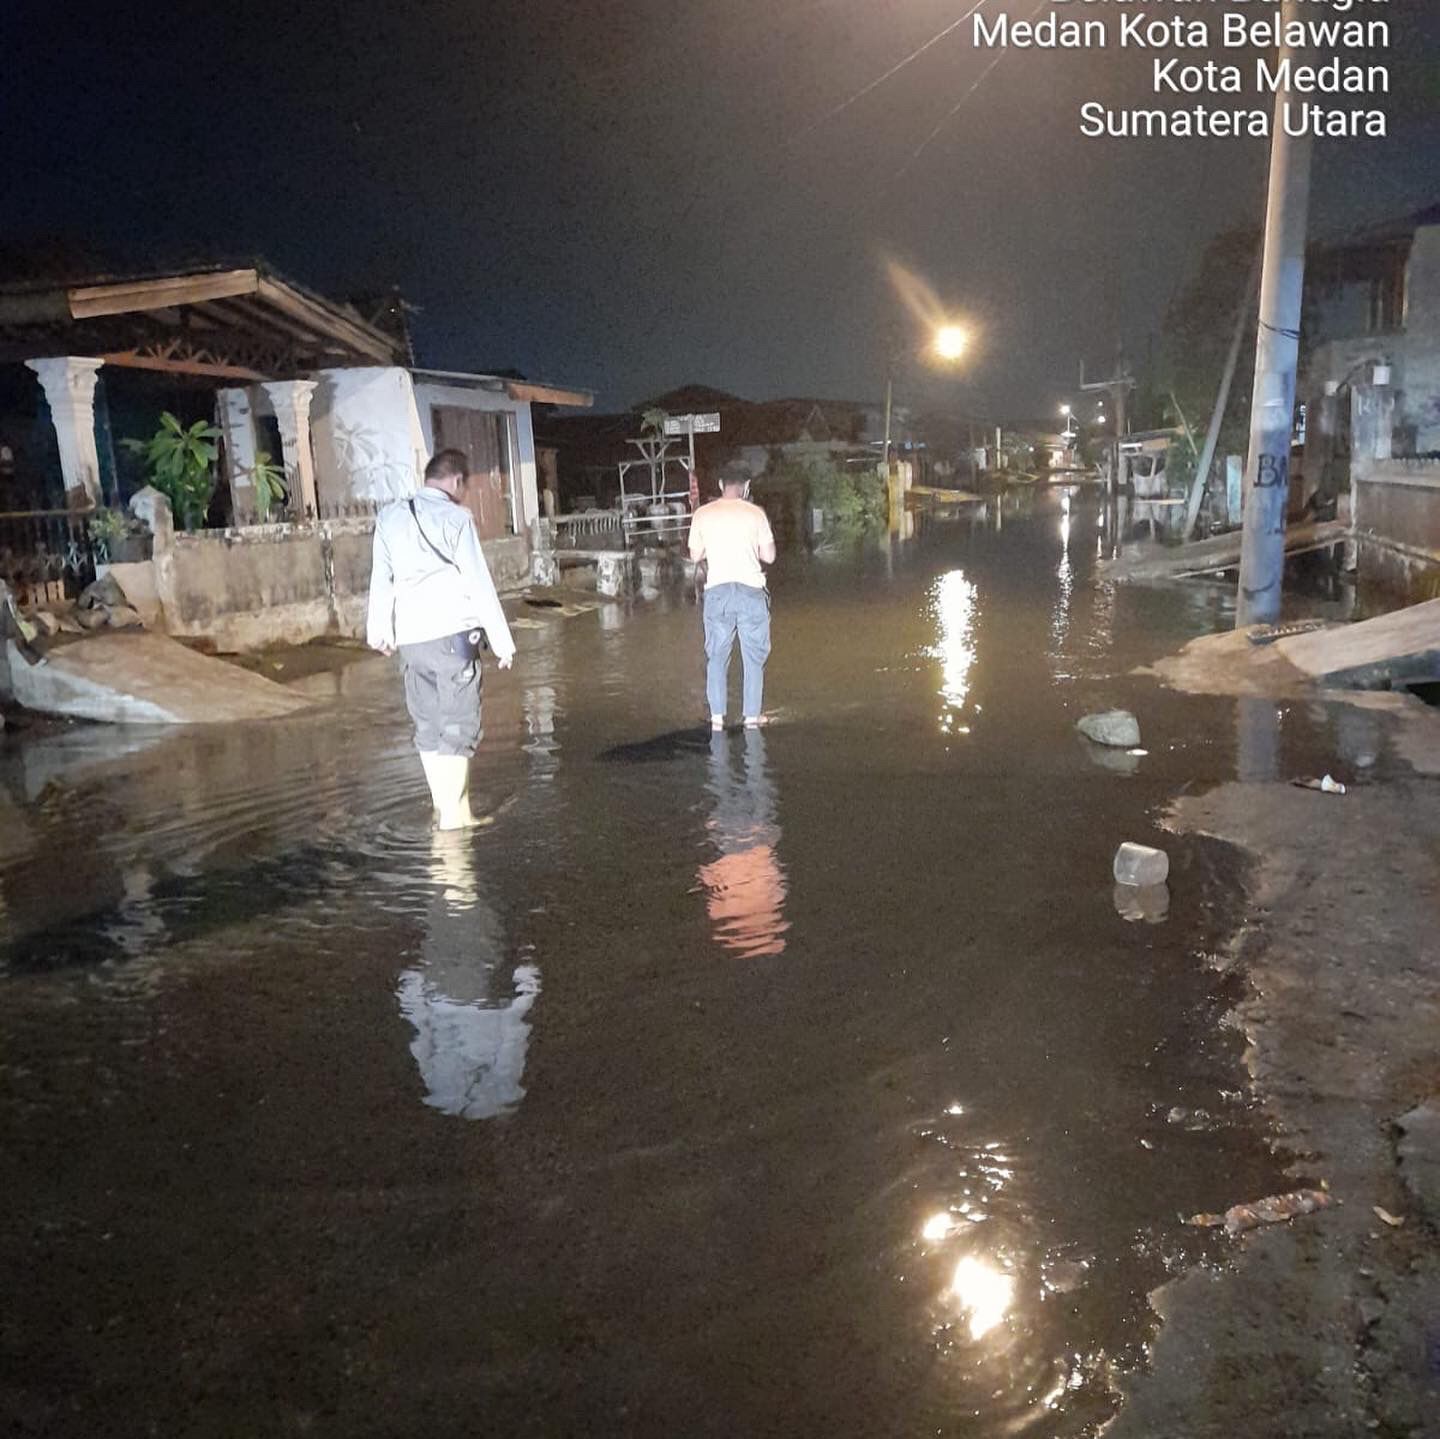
1065 410
950 342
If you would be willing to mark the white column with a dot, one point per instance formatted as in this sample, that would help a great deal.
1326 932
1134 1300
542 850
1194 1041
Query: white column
235 417
69 385
291 402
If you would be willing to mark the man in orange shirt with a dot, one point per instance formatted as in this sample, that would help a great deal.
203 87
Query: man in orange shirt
734 539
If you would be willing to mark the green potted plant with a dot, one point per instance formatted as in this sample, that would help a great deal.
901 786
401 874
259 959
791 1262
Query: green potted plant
120 539
181 464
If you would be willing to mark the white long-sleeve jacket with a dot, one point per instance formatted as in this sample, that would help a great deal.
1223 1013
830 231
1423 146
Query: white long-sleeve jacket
429 579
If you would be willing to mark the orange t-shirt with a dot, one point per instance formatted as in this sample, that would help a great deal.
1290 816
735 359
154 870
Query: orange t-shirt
729 535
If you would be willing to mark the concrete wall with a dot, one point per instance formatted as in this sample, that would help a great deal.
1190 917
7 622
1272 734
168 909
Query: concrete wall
1418 421
368 440
265 585
1397 526
429 393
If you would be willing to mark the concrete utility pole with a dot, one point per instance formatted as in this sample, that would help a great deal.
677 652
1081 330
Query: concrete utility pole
1277 353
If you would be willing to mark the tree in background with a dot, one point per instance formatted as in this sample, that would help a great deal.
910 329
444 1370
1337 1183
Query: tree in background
852 500
1196 335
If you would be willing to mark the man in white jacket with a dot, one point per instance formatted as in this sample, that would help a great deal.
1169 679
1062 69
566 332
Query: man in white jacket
432 598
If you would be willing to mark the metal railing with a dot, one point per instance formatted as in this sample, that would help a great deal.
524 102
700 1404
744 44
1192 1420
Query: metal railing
587 522
43 549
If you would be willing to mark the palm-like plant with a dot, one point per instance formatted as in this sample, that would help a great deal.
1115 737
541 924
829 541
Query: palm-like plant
269 481
181 464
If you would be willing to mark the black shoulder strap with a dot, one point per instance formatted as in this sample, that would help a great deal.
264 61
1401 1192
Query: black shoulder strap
448 559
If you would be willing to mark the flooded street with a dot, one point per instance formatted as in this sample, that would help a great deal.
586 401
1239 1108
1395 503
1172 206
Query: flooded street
797 1082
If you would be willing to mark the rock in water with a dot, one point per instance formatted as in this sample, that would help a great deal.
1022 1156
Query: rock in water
1117 728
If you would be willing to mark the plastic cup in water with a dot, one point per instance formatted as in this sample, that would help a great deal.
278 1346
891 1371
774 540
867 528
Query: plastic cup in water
1140 865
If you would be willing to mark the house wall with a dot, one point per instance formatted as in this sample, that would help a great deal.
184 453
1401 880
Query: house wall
429 394
1419 401
1397 526
367 436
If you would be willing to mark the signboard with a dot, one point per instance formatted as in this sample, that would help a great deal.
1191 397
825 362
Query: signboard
693 425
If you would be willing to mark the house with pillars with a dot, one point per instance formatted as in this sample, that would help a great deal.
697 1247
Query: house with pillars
325 389
210 342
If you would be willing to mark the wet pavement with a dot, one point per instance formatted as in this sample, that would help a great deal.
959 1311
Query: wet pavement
808 1081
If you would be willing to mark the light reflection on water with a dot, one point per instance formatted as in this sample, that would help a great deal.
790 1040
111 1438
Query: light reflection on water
954 606
984 1293
470 1047
745 886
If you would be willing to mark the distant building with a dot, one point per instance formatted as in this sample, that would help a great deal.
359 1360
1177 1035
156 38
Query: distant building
761 433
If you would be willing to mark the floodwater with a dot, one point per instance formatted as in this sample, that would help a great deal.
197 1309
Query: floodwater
803 1082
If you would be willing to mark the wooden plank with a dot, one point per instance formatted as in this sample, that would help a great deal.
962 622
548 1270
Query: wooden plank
134 360
523 390
1220 552
127 297
947 497
327 322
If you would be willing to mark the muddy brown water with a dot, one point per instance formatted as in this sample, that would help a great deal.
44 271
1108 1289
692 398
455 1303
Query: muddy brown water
803 1082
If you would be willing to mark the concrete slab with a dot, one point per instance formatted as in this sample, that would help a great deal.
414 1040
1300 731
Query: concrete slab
137 678
1395 648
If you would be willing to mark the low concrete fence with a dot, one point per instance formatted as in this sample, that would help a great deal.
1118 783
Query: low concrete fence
1397 525
264 585
261 585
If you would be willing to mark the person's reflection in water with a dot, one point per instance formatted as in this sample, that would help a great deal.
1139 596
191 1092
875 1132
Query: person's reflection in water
469 1046
745 886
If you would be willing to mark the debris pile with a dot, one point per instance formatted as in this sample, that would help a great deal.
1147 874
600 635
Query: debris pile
1277 1209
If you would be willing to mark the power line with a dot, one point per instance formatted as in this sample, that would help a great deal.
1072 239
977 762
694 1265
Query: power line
894 70
955 109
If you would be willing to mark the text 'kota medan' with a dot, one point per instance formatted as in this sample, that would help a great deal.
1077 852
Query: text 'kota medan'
1271 77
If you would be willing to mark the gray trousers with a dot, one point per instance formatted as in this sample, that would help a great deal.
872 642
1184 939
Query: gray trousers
731 611
442 693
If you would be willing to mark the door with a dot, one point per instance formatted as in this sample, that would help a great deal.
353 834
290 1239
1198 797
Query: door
484 437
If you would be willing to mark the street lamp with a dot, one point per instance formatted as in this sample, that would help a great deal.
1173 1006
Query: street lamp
950 342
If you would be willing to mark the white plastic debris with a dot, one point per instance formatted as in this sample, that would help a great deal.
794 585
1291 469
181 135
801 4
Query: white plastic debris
1139 865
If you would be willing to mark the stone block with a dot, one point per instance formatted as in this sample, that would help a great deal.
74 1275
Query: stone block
615 575
1117 728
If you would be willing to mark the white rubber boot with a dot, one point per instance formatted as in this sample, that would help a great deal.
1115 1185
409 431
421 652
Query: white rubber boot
451 788
427 762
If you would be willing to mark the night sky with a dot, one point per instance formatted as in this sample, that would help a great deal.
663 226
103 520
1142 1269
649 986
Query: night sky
633 194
